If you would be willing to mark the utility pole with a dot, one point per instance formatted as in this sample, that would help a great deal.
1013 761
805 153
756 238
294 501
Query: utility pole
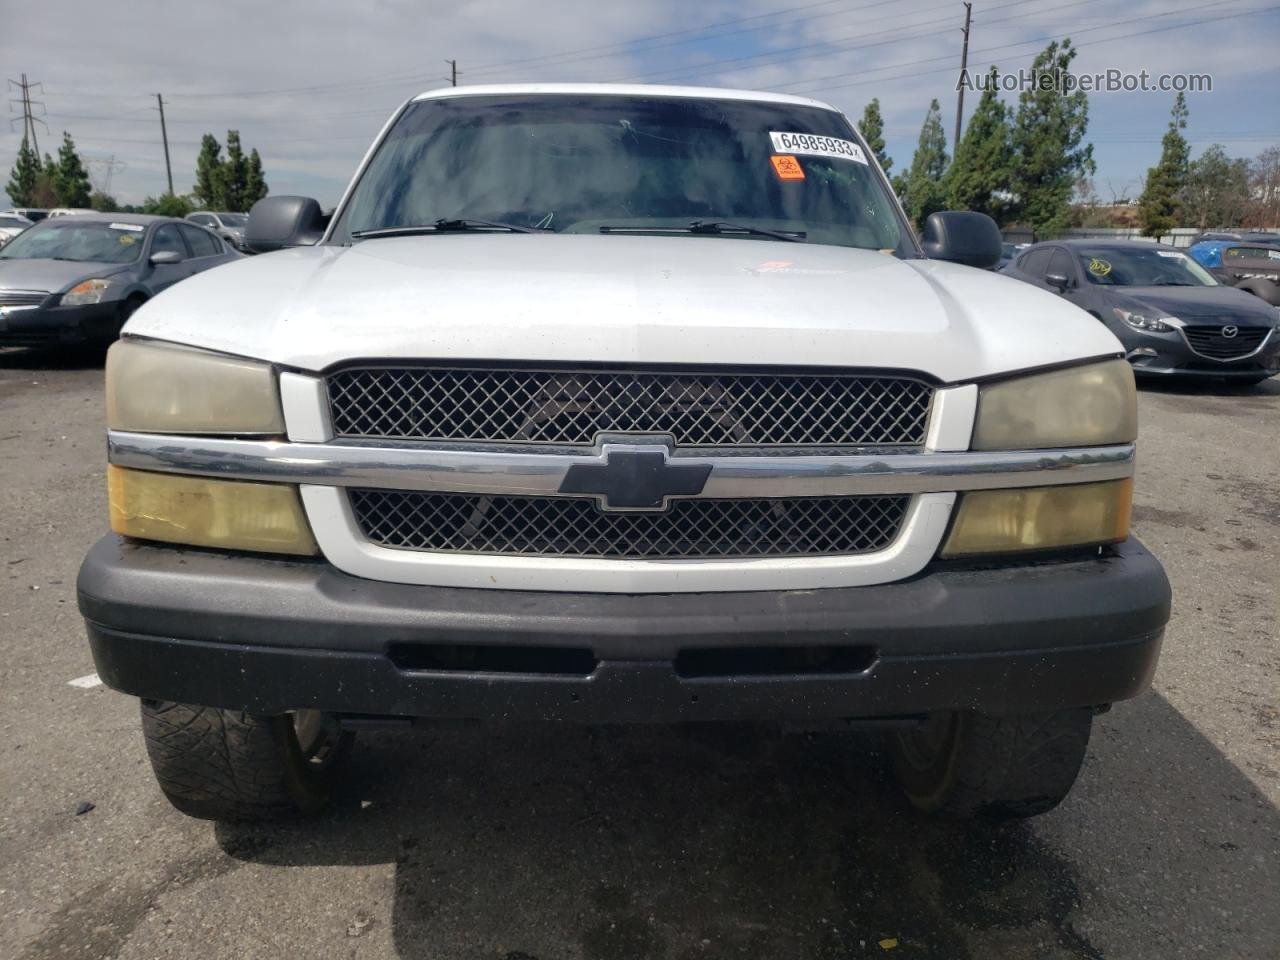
964 66
164 135
453 71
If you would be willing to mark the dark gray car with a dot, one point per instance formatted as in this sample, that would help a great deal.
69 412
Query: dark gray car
1172 316
77 279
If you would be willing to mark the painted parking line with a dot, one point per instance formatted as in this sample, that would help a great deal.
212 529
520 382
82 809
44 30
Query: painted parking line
86 682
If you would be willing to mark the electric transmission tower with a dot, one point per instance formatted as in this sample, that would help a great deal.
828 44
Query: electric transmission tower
25 105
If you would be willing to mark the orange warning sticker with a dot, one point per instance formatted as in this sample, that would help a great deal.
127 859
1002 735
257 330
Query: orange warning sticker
787 167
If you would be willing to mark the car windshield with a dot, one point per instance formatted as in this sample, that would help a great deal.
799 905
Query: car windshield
72 239
13 222
1129 267
616 164
233 219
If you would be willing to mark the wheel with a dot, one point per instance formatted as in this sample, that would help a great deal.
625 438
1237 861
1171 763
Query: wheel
123 313
967 765
226 765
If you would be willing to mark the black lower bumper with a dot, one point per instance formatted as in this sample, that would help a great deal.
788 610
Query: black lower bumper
269 635
54 325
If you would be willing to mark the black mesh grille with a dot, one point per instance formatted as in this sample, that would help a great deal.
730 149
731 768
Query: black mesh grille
566 527
1209 341
573 407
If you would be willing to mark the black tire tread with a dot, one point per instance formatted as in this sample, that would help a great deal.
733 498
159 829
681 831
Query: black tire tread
219 764
1015 766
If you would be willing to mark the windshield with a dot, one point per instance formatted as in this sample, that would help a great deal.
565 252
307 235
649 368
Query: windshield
577 164
233 219
72 239
1127 267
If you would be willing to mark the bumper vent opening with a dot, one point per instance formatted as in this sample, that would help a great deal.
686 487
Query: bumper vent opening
459 658
770 661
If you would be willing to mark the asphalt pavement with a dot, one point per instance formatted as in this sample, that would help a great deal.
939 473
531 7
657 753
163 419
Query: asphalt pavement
535 842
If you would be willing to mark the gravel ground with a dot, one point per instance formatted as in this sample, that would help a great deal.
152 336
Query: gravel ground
525 842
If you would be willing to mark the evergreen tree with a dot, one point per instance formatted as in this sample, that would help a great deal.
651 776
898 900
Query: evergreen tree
978 178
70 179
208 171
1048 143
923 183
24 176
872 130
1160 204
234 175
255 184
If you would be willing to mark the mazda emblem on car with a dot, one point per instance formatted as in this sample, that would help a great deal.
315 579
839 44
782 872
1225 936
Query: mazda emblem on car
1230 331
640 477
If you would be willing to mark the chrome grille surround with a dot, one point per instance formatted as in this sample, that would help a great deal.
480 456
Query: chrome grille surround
574 527
573 407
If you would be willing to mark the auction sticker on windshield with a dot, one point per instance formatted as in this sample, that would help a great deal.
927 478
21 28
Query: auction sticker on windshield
815 146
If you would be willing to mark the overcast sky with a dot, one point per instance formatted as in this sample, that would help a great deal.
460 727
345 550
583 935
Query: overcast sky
309 82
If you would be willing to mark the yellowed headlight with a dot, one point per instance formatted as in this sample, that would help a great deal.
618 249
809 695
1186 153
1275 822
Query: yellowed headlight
1040 518
155 387
227 514
1076 407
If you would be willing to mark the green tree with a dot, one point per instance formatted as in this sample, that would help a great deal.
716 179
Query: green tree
103 202
1048 143
208 173
167 205
24 176
1160 204
922 186
233 175
70 178
978 178
255 187
872 130
1217 189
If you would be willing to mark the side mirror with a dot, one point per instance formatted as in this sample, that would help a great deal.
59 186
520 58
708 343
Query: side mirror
963 236
162 257
279 222
1058 281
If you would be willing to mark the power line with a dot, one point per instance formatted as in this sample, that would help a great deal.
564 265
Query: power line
713 67
1036 41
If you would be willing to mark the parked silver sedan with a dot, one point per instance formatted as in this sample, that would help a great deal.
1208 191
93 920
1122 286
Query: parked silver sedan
76 280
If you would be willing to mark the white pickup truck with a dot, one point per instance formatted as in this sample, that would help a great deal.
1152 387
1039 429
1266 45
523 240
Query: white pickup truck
618 404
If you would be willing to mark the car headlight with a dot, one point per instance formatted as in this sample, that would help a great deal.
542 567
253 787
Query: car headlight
1083 406
203 512
155 387
1142 322
1040 518
88 291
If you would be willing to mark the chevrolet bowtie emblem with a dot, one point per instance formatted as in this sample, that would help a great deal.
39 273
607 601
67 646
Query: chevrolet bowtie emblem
635 478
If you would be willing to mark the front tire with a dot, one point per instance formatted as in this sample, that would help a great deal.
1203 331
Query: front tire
970 765
227 765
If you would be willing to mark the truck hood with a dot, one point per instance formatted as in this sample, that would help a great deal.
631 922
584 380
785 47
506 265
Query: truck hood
621 299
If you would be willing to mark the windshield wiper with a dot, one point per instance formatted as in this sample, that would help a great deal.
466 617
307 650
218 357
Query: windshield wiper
715 227
444 225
